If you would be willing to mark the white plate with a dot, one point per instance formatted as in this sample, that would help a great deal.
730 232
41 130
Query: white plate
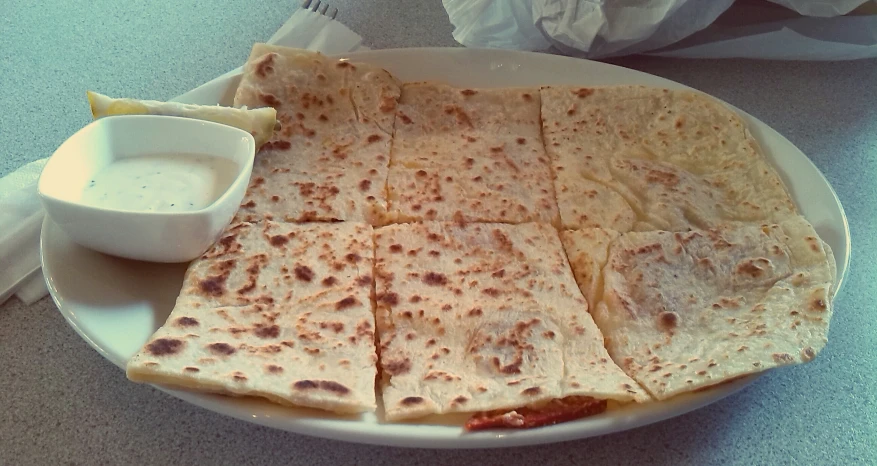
115 305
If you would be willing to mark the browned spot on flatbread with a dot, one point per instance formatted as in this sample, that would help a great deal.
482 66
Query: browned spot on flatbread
532 391
460 114
505 244
750 268
389 298
303 273
273 369
221 349
213 285
165 346
365 280
364 329
227 242
492 292
374 138
365 184
512 368
305 384
345 303
269 99
435 279
191 369
397 366
807 354
388 104
279 240
336 327
270 331
583 92
264 65
186 322
668 320
327 385
275 145
411 400
329 281
665 178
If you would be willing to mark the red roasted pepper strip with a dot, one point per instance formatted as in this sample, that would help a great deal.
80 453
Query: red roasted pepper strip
554 412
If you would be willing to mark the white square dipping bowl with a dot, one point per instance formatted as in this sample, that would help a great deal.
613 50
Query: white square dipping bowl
143 235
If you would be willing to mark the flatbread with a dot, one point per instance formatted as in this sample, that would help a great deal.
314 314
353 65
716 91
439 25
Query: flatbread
687 310
633 158
329 161
483 317
259 122
471 155
274 310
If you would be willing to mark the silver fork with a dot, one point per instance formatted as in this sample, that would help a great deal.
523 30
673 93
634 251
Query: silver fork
319 7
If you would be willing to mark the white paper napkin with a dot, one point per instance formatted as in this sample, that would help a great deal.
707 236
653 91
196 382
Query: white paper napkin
21 213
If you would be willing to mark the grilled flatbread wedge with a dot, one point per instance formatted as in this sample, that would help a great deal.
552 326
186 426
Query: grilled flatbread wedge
470 154
633 158
487 318
259 122
274 310
329 161
684 311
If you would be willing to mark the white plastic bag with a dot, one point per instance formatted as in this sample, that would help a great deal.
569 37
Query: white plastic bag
606 28
495 24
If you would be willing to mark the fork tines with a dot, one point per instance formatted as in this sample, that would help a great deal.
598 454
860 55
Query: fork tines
317 6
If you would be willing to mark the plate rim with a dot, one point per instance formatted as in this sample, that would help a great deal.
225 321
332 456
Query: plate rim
365 432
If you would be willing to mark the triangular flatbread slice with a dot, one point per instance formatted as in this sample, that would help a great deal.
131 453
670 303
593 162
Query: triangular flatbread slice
688 310
485 317
472 155
633 158
274 310
329 160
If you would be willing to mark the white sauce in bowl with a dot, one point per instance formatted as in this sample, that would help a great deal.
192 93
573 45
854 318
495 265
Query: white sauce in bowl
165 182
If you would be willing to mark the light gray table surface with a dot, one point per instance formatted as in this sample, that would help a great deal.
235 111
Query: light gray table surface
62 403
